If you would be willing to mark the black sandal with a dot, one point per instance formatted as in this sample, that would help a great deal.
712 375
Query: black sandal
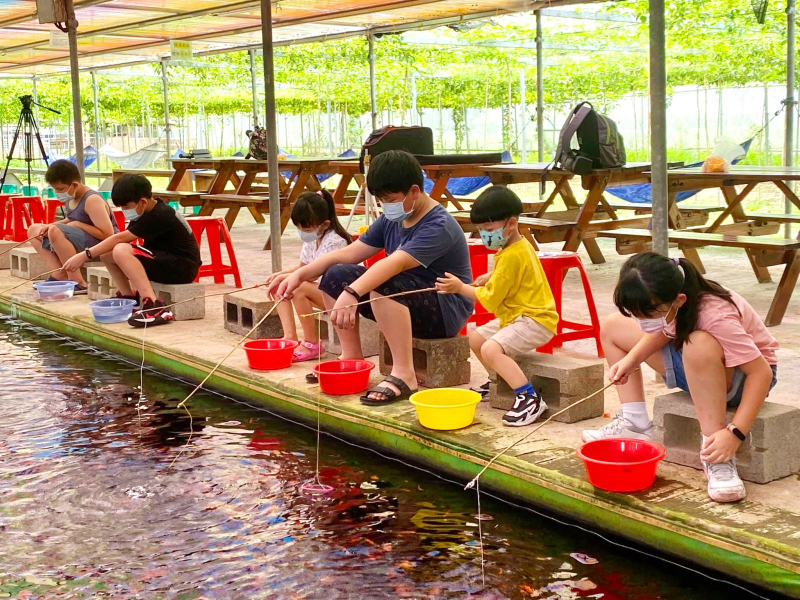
391 395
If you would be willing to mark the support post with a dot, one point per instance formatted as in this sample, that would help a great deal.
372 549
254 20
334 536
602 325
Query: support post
36 101
96 119
72 34
272 137
539 87
788 143
658 127
373 101
765 137
330 129
523 113
253 88
165 86
414 99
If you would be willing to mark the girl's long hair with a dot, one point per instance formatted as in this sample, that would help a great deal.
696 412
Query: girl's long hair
312 209
648 280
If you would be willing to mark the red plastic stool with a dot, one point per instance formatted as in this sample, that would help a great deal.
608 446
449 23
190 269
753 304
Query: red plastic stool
6 230
371 261
51 206
479 263
555 265
214 227
119 217
21 213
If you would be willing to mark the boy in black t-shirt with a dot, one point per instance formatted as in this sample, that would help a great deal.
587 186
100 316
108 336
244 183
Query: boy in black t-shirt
169 253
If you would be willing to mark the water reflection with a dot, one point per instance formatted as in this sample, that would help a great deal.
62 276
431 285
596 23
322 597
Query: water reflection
90 509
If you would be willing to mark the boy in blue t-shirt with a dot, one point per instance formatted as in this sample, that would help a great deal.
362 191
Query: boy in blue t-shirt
422 242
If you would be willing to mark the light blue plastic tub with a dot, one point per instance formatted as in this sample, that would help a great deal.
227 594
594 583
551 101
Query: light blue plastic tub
54 291
112 310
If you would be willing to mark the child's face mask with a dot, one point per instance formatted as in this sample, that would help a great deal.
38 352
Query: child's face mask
495 240
661 324
130 213
395 211
65 196
309 236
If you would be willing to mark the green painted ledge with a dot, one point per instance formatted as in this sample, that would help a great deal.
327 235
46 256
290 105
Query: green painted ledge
756 560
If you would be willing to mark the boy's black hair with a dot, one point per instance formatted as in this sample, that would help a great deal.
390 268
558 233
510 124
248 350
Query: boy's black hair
497 203
62 171
392 172
130 187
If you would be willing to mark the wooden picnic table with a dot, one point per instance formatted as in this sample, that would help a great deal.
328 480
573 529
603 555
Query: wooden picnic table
586 226
439 174
693 178
185 184
242 174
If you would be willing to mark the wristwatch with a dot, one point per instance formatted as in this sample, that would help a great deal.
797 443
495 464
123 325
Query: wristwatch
88 254
352 292
737 432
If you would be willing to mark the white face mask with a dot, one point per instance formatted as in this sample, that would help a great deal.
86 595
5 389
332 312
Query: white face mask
65 196
130 214
659 324
309 236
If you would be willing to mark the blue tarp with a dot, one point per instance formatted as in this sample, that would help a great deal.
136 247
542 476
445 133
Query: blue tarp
89 156
463 186
346 154
641 194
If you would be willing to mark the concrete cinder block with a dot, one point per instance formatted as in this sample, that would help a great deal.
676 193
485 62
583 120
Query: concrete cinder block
101 284
5 253
771 450
186 311
367 329
26 263
438 363
245 309
562 381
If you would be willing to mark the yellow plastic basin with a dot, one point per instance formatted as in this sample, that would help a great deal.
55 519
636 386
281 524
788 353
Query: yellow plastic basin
445 408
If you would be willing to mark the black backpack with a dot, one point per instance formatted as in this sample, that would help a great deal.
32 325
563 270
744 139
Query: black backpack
414 139
600 144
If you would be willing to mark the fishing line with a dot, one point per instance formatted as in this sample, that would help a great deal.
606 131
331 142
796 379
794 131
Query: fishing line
315 486
406 293
506 501
225 293
182 404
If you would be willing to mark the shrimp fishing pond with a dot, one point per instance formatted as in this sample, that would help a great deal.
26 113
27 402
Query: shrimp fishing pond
90 507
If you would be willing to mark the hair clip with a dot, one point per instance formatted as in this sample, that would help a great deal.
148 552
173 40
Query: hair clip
677 261
320 194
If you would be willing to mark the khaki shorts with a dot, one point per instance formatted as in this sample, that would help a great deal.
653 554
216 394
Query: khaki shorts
522 336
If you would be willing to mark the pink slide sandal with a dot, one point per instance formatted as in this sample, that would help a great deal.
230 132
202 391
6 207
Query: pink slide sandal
307 351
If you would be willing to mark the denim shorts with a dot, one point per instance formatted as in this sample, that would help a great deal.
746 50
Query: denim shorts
427 320
79 239
676 377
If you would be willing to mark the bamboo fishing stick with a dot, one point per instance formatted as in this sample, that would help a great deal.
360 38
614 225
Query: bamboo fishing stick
182 404
472 483
322 312
204 296
18 245
24 281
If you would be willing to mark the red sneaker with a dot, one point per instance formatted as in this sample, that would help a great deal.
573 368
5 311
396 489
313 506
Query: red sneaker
151 313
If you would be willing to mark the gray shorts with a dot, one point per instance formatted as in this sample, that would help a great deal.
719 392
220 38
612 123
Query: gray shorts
79 239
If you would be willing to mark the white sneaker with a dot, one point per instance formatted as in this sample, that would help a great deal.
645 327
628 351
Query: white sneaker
619 427
724 484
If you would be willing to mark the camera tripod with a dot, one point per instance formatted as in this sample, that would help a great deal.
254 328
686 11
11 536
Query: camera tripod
27 126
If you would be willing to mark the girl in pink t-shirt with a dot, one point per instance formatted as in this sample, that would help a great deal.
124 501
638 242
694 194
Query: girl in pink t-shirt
702 338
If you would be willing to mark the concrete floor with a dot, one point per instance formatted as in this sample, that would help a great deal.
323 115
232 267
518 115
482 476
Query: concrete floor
771 510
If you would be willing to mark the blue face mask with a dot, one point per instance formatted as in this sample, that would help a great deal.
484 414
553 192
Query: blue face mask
494 240
394 211
308 236
130 214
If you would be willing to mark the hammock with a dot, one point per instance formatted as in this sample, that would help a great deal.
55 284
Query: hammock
463 186
137 160
640 193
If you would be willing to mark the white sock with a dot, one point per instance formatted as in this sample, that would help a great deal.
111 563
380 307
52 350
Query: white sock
636 413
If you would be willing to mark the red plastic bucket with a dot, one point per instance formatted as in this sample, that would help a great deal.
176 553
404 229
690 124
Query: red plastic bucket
342 377
269 355
621 465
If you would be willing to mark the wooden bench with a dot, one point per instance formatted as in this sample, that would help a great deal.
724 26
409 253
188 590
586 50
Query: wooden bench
770 218
764 253
185 198
531 228
256 204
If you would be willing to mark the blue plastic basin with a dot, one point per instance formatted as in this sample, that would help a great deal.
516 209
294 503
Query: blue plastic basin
53 291
112 310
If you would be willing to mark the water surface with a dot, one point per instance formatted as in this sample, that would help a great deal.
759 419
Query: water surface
90 508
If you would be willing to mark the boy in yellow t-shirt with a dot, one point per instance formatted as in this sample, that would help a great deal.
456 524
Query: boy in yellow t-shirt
517 292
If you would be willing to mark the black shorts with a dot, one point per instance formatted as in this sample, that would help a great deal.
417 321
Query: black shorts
163 267
427 320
